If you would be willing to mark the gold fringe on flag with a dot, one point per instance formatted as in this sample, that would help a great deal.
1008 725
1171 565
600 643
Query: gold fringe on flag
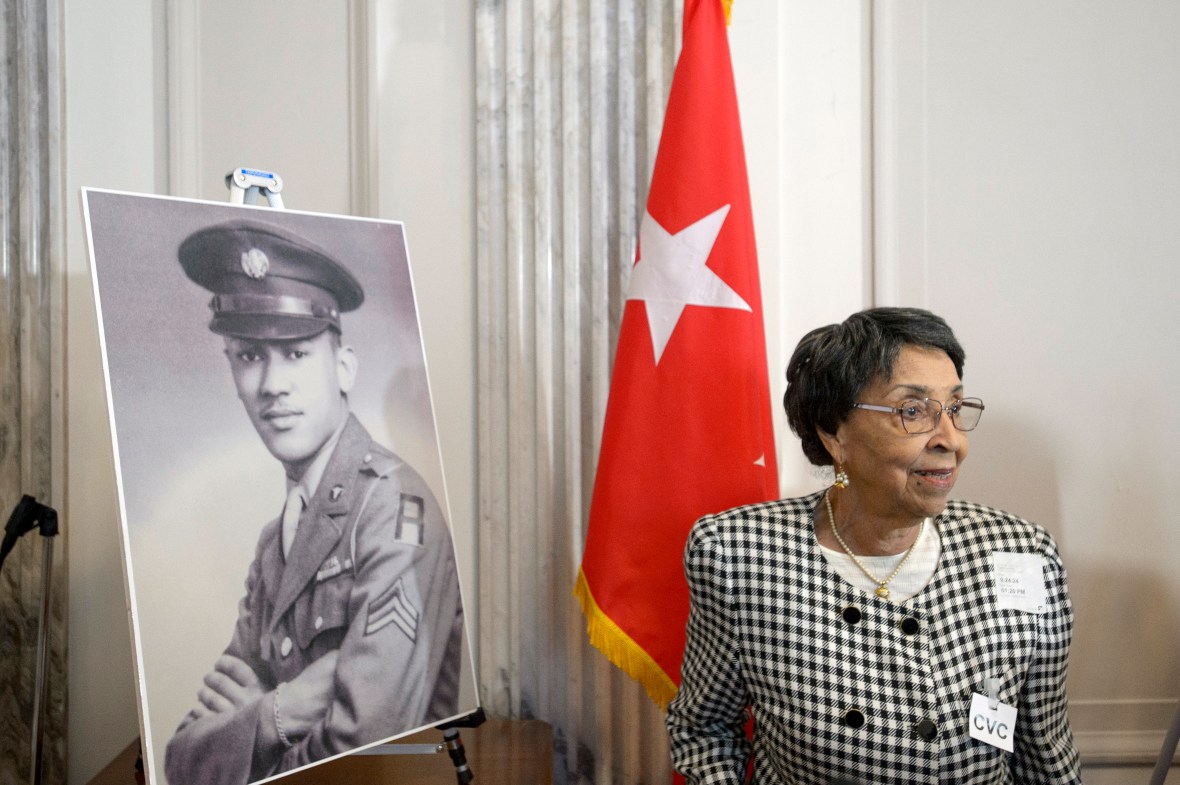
728 6
624 653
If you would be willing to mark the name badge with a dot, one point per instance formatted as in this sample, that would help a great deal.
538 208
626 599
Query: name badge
1019 581
994 726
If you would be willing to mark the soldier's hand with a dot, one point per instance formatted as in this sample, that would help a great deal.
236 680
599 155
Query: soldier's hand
231 685
305 699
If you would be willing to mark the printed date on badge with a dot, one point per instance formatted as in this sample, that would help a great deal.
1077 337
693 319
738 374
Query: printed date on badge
1019 580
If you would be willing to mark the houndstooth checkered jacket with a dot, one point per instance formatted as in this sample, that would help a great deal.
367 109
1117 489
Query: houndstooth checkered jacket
770 628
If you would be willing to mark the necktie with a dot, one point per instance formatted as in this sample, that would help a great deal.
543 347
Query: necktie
291 512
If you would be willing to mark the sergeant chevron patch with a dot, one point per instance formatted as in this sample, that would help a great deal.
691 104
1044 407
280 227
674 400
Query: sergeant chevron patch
393 607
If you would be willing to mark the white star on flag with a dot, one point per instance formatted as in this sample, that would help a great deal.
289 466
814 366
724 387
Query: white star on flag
671 273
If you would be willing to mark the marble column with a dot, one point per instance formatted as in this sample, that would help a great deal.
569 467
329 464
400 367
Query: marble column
30 285
570 99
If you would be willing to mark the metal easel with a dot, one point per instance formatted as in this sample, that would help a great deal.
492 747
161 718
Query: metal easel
26 516
1168 751
245 187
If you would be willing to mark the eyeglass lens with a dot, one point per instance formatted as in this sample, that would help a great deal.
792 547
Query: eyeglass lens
922 416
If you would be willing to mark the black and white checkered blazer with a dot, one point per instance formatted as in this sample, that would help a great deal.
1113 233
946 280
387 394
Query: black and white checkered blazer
845 684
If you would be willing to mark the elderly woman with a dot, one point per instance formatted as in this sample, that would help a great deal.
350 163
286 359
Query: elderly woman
878 632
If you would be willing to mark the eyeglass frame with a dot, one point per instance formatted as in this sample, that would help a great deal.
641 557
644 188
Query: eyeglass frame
956 404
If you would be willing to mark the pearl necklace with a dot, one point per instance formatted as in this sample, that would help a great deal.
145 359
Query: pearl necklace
882 590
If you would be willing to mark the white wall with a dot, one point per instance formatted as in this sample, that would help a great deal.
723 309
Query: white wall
802 79
111 137
1014 167
1037 206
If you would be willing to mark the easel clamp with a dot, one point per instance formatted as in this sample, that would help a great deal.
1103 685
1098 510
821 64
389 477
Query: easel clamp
246 184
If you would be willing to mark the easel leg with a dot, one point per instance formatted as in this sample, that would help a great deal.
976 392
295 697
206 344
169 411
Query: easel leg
458 756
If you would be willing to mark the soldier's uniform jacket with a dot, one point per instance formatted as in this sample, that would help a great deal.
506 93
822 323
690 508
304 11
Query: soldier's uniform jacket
371 573
880 694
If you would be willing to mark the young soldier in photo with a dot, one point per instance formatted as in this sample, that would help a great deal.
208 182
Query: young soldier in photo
350 628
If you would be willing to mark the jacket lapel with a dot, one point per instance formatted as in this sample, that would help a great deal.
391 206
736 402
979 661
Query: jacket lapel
271 548
322 523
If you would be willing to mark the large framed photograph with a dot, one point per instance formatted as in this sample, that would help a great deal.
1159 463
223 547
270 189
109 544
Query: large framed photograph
290 569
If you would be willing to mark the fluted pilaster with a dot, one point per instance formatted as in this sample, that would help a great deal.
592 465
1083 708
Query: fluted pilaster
570 98
30 243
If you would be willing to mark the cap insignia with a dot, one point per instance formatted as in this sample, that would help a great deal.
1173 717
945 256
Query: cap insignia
255 264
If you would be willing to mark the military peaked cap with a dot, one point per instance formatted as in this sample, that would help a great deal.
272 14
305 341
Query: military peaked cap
268 283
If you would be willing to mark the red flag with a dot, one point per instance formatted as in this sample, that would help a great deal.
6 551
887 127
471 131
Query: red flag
688 426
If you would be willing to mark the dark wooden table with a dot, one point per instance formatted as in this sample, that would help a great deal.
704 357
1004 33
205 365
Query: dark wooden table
499 752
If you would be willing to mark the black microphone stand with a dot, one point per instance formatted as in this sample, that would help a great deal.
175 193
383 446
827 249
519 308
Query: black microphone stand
26 516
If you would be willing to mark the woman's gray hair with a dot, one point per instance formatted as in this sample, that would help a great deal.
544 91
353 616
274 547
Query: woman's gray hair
833 364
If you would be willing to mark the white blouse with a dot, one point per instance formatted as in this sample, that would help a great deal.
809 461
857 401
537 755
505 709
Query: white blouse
914 576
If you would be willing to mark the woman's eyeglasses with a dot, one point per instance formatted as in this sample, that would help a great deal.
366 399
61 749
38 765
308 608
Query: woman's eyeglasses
921 415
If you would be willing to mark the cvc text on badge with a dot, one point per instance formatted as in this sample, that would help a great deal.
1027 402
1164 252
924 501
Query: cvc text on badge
993 727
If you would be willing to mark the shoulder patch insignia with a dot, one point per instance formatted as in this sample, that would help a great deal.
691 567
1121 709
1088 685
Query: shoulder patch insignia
393 607
408 528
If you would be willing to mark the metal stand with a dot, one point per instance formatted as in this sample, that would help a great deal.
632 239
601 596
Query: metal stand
26 516
455 744
452 743
1168 751
245 186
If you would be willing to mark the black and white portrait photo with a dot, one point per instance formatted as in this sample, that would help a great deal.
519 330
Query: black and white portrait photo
292 579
